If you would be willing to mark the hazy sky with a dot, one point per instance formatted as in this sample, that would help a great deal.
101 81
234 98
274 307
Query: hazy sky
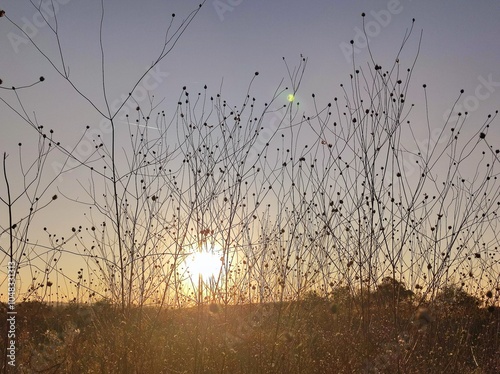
231 39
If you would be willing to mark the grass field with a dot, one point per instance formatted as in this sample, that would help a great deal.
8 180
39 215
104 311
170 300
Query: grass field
456 334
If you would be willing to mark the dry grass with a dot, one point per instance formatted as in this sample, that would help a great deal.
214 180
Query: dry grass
316 335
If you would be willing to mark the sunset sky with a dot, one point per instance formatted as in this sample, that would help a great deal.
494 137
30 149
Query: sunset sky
230 40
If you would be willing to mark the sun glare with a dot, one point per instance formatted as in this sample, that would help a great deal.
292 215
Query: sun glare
204 264
290 97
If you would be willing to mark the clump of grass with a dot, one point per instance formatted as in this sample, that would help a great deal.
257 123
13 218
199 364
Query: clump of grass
423 318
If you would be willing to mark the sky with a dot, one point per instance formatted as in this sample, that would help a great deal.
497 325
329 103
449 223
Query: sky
231 39
228 41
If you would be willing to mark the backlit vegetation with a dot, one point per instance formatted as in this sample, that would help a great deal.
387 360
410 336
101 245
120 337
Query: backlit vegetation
344 245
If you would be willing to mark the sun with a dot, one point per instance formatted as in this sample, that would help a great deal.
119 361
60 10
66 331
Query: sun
204 264
290 97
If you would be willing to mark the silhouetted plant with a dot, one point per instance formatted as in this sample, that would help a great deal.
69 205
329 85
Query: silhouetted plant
337 250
